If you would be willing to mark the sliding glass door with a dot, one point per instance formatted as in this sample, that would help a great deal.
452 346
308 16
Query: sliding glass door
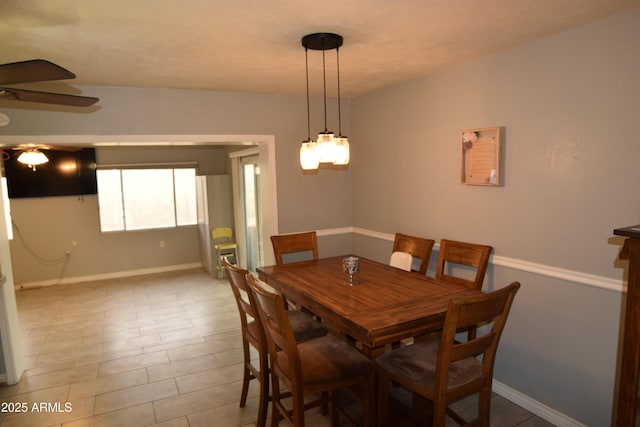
250 192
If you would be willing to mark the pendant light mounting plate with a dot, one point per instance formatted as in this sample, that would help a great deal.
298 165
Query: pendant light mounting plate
322 41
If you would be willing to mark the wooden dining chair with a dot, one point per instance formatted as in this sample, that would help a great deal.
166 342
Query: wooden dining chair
306 368
285 244
463 254
303 325
444 370
418 247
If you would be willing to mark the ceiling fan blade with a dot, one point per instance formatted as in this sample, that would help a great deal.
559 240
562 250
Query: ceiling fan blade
35 70
46 97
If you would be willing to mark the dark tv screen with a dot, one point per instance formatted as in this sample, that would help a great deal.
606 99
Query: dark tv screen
67 173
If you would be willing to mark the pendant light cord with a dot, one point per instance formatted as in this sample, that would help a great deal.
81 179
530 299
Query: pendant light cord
339 111
324 78
306 60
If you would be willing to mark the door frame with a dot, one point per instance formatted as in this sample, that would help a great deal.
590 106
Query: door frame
9 325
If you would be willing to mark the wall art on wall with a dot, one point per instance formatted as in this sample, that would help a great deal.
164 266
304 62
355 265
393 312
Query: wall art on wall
481 157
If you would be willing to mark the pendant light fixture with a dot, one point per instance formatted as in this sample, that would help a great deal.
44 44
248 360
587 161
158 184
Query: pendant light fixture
32 157
328 148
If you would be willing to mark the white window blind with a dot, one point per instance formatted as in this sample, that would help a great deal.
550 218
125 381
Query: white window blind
141 199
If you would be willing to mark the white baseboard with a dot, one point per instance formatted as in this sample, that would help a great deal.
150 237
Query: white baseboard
105 276
537 408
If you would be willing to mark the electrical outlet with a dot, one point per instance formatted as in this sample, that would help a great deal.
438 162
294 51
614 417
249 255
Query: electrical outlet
162 243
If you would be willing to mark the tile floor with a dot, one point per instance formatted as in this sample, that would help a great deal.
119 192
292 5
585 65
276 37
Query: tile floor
157 350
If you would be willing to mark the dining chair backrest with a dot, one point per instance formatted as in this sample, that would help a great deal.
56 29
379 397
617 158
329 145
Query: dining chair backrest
402 260
271 307
471 313
285 244
490 308
242 294
222 234
447 369
454 253
418 247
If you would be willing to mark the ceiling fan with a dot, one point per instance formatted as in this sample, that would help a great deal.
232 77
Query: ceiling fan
38 70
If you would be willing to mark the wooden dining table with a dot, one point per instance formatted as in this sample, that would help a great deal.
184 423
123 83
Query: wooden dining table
385 305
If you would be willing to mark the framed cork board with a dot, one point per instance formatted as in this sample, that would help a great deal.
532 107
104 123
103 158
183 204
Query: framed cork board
481 157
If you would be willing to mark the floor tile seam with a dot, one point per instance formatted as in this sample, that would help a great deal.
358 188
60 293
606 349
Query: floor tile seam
156 315
27 374
106 414
230 381
126 387
49 354
67 382
212 404
135 367
130 340
24 397
172 348
109 340
154 399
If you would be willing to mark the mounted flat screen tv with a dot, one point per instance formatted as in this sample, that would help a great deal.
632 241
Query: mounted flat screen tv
67 173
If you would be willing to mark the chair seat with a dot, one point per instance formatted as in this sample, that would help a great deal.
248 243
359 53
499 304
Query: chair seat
328 360
418 362
223 246
304 326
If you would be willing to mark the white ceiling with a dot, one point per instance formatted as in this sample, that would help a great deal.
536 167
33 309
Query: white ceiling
254 45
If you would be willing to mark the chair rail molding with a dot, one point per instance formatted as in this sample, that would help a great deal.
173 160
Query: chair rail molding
601 282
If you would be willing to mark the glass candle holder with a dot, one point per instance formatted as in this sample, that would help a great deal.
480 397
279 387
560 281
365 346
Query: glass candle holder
350 266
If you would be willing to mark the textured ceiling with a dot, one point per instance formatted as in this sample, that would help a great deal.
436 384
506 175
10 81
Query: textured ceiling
254 45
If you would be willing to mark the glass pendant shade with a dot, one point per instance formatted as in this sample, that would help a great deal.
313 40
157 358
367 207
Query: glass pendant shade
32 157
326 147
341 151
309 158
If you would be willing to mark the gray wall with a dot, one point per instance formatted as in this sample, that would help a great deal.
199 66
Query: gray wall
569 108
568 104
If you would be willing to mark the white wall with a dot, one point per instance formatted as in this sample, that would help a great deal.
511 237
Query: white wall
569 108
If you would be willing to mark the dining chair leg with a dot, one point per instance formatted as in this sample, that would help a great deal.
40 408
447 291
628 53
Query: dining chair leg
484 409
247 375
264 391
369 404
335 421
275 401
298 408
382 399
324 407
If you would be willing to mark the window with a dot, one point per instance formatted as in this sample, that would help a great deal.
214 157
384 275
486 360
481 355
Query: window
142 199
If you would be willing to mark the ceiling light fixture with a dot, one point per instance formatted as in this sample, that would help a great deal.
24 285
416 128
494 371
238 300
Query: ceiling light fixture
328 148
32 157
